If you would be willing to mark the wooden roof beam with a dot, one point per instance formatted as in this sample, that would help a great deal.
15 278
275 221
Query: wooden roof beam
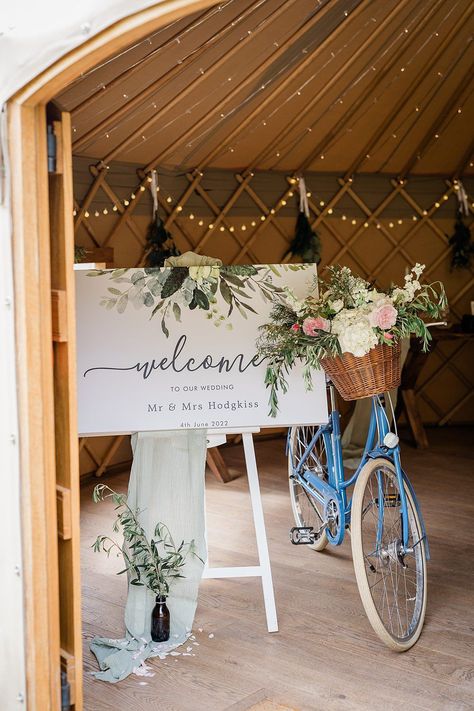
154 87
438 123
360 102
240 44
407 95
130 71
464 162
289 79
249 79
331 82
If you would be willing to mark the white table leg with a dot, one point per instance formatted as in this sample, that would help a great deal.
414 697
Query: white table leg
260 531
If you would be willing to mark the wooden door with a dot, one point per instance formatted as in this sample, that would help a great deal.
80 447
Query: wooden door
65 407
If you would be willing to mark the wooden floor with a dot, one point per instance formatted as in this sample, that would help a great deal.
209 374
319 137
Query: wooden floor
325 655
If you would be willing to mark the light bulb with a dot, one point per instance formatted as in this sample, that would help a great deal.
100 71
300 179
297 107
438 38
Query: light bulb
105 211
142 188
243 228
222 228
86 214
344 217
232 228
191 216
179 208
330 211
169 199
126 203
200 223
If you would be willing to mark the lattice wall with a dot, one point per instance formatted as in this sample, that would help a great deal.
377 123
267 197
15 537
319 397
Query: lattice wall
374 224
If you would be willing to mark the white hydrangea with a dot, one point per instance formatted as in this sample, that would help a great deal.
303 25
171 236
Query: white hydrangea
354 332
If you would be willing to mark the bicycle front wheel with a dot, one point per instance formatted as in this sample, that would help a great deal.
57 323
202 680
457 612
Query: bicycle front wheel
307 510
391 579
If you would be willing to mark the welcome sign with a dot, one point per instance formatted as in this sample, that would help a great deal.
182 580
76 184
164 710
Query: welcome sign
171 348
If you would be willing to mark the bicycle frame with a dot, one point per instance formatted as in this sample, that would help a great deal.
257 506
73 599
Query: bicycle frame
335 489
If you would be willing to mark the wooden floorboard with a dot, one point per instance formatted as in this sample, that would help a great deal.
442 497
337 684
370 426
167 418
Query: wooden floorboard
325 655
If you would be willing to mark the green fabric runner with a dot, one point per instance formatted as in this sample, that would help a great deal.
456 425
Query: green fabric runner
167 485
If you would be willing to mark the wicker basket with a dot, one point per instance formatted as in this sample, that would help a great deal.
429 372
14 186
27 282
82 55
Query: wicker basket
372 374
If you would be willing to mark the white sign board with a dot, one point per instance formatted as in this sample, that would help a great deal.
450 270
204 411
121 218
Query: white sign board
175 348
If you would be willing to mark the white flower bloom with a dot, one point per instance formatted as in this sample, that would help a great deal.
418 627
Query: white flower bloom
418 269
377 298
336 305
354 331
292 301
358 339
399 296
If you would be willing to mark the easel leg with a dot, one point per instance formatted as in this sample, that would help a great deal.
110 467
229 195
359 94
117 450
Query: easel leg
261 535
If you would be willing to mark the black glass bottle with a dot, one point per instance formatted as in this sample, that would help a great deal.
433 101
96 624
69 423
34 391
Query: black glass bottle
160 621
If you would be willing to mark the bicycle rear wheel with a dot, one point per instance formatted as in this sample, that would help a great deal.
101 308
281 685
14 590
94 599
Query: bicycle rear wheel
391 579
307 510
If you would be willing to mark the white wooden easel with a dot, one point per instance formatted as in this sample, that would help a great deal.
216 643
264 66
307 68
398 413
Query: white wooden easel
263 570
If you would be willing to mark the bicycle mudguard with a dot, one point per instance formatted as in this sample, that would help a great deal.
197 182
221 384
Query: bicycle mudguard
380 454
420 515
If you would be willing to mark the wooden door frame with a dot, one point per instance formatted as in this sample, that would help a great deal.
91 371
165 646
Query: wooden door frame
32 276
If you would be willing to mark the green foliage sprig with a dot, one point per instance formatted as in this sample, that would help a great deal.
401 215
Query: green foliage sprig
215 290
154 563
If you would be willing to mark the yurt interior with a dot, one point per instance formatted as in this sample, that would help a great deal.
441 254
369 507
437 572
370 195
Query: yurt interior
220 123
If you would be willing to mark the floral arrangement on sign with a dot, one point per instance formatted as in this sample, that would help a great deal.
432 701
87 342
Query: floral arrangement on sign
167 291
348 316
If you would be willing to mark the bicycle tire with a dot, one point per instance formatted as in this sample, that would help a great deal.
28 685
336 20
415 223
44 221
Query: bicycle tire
398 629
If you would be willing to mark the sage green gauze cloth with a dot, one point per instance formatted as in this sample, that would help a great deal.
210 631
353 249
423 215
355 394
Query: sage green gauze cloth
166 485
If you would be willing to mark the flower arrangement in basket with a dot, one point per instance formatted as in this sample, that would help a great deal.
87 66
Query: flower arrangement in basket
350 329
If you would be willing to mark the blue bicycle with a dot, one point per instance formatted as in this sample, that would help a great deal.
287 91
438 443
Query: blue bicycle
388 538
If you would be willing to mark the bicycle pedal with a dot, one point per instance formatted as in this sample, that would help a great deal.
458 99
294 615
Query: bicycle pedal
302 535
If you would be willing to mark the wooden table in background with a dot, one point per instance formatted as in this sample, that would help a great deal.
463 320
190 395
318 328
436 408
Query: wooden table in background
411 370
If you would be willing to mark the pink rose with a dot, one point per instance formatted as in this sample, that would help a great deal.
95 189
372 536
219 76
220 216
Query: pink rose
388 336
295 327
383 317
311 326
